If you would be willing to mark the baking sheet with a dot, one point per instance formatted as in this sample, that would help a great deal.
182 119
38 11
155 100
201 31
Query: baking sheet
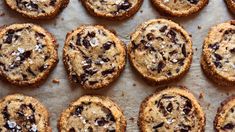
130 89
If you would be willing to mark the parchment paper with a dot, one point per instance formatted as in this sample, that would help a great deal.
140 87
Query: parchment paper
130 89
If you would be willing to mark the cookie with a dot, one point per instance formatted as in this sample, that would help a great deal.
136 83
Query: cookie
218 56
173 109
28 53
224 120
19 113
161 51
37 9
230 5
93 56
112 9
179 7
92 114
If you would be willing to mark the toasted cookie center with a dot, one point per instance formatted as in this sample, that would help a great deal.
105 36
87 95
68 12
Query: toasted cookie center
223 54
90 116
94 56
24 53
36 6
172 112
113 7
17 116
160 50
180 5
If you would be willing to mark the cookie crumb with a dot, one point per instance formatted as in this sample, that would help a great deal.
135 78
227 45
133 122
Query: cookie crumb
134 84
201 96
123 94
132 119
195 49
199 27
190 35
56 81
141 11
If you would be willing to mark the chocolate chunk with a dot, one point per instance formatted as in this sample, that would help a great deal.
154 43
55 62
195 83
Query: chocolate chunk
25 55
218 64
10 35
5 113
86 43
37 34
108 45
172 35
91 34
110 117
111 130
30 71
33 5
74 77
90 129
134 45
228 126
150 36
42 68
124 5
160 66
79 110
214 46
169 107
184 52
31 119
78 42
101 121
93 82
193 1
72 130
158 125
52 2
109 71
232 50
163 29
187 107
218 57
185 128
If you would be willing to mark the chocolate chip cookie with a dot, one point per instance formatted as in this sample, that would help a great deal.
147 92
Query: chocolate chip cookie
179 7
93 56
112 9
224 120
173 109
230 5
27 54
161 51
19 113
92 114
37 9
218 57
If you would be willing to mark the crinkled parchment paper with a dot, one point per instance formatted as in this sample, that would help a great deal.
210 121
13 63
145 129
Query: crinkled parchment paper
130 89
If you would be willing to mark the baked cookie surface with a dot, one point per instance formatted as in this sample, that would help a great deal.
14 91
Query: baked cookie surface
230 5
112 9
37 9
28 53
224 120
93 56
160 50
218 57
92 113
19 113
180 7
173 109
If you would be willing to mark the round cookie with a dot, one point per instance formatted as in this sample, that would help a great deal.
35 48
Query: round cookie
37 9
112 9
28 53
92 113
19 113
179 7
161 51
93 56
218 56
230 5
224 120
173 109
